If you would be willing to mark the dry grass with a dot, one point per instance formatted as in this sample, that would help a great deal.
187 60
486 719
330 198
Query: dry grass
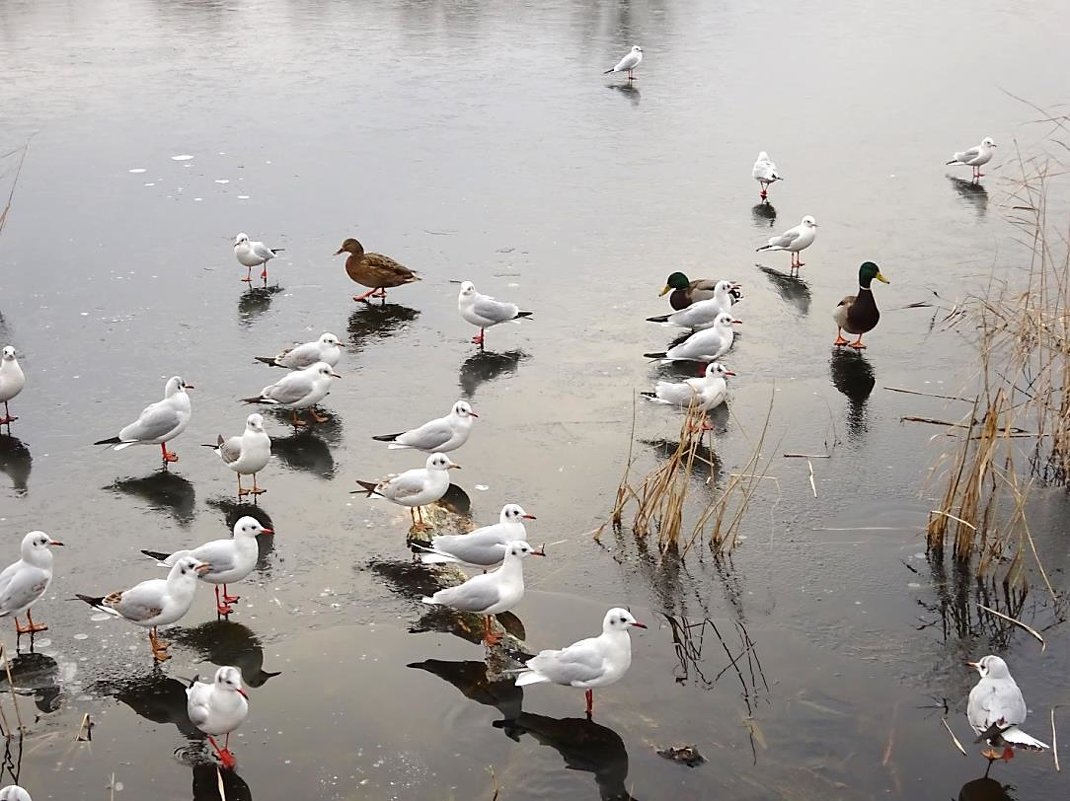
21 151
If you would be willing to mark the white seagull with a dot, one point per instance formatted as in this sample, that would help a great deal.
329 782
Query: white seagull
765 173
298 357
12 380
793 240
24 582
159 422
489 593
593 662
299 389
706 393
415 488
253 254
248 454
975 157
628 63
14 793
218 708
442 435
483 311
484 547
996 709
156 602
707 345
702 313
227 561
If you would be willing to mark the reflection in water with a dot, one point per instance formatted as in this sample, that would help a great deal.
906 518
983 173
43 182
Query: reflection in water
15 462
972 193
956 611
154 696
628 90
224 642
472 680
486 366
764 215
372 322
11 763
330 430
254 302
706 467
206 784
852 374
985 789
583 744
792 289
164 491
306 452
35 675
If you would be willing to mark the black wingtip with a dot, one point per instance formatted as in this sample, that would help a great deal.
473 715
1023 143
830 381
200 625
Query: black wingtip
251 400
654 355
644 394
368 486
109 441
387 437
662 318
524 314
156 554
268 360
89 599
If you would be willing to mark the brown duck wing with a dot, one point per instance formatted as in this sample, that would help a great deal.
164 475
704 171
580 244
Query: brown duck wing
843 309
701 289
378 271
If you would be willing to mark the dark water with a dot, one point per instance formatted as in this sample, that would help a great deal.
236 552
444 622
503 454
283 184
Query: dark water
479 141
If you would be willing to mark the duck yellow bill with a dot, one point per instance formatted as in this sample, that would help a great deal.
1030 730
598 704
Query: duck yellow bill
666 290
882 279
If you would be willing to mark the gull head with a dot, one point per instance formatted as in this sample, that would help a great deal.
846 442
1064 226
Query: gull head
717 370
520 550
35 544
175 384
637 49
324 369
809 222
250 527
241 239
618 619
463 410
9 353
724 287
255 422
763 156
188 568
228 679
988 142
514 513
440 461
725 320
467 289
328 340
991 667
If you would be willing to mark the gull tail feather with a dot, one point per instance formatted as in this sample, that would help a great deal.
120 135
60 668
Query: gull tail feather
369 486
764 247
108 441
268 360
427 599
93 600
387 437
530 677
524 314
658 355
661 318
257 399
1019 738
611 69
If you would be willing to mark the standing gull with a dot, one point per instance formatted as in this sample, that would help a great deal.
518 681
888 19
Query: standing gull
489 593
14 793
975 157
996 709
707 345
483 311
298 357
765 173
227 560
248 454
593 662
484 547
159 422
218 708
374 270
156 602
24 582
415 488
12 380
794 240
253 254
299 389
442 435
628 63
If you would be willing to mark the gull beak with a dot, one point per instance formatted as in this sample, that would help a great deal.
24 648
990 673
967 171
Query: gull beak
473 414
974 665
453 466
189 386
54 542
637 624
729 372
528 517
541 550
203 568
665 291
882 279
737 322
334 374
267 531
242 693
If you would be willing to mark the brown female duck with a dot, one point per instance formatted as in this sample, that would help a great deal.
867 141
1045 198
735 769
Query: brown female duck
858 314
374 270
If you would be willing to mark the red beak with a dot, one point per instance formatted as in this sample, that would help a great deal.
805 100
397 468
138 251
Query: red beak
528 517
243 694
267 531
729 372
473 414
639 625
737 322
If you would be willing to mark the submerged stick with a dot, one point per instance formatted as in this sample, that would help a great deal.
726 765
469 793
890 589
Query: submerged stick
930 394
812 485
1054 740
1008 618
954 739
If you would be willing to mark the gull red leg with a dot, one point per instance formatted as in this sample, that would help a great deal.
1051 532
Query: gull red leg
478 339
224 753
7 419
248 276
490 637
590 702
168 456
228 597
222 607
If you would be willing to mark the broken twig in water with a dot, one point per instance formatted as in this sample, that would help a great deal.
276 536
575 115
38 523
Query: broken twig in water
812 485
87 726
219 784
807 455
930 394
1054 740
1008 618
954 739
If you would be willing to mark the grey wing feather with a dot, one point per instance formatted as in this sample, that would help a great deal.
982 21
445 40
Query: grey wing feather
262 251
155 421
142 601
300 356
784 239
967 155
289 390
494 310
409 483
217 553
472 596
578 662
230 450
429 436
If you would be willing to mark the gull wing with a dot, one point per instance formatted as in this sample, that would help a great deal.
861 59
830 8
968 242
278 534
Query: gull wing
155 421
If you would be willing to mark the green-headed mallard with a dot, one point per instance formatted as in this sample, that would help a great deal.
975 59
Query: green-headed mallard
374 270
858 314
685 292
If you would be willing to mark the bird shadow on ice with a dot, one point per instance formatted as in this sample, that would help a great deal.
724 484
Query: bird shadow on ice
372 322
484 366
330 431
154 696
985 789
163 491
628 90
853 376
764 215
206 779
973 194
304 452
224 642
254 302
584 745
473 680
15 462
37 676
791 289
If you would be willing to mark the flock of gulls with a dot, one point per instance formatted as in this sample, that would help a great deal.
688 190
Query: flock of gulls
995 710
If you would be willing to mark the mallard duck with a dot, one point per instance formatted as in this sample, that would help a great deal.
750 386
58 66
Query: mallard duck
858 314
374 270
685 292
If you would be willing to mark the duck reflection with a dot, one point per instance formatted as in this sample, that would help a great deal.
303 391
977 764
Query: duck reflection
223 642
985 789
628 90
164 491
254 302
583 744
304 452
853 375
791 289
35 675
972 193
234 510
371 322
764 215
485 366
15 462
472 680
206 778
